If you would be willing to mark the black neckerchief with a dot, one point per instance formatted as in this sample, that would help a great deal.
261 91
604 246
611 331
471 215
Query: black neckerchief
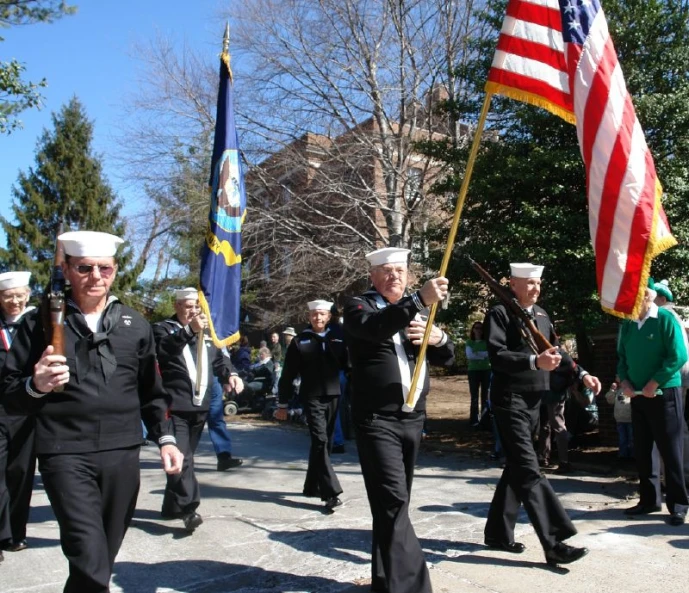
99 341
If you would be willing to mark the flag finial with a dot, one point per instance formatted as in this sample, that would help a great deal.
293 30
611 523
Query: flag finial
226 38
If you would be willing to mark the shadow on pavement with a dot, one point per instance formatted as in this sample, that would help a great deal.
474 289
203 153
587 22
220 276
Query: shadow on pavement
229 492
41 514
204 576
498 559
475 509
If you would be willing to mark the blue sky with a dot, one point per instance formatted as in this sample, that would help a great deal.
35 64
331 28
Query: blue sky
89 55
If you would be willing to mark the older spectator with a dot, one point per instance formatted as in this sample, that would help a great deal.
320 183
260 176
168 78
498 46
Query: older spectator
651 350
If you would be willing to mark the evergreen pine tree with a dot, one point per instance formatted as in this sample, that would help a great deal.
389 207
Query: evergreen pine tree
66 186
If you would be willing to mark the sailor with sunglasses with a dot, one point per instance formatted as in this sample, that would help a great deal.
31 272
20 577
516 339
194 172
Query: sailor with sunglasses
88 434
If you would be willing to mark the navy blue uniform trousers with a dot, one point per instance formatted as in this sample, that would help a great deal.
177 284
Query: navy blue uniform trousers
388 447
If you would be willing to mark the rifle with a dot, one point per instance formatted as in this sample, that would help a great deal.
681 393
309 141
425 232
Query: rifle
55 328
532 335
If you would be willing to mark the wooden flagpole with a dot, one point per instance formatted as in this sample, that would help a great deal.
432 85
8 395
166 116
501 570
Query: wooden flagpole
408 406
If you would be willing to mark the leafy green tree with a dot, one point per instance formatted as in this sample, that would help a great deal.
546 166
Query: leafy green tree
527 198
66 186
15 93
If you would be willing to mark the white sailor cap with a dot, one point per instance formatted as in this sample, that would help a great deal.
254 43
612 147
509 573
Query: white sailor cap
187 294
90 243
14 280
320 305
388 255
526 271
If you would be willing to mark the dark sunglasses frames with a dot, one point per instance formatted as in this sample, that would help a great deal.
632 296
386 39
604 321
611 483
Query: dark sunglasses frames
105 271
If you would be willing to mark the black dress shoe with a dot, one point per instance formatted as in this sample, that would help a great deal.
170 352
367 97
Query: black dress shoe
226 461
564 554
17 546
677 518
512 547
642 509
192 521
332 503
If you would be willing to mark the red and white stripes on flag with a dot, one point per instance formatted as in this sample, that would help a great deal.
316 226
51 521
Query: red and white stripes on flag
559 55
529 63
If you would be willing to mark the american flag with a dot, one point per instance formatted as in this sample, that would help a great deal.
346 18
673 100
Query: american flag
559 55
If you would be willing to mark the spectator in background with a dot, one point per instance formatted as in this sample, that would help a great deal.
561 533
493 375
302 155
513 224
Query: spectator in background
261 374
288 335
666 300
651 352
241 357
217 430
275 348
478 371
623 416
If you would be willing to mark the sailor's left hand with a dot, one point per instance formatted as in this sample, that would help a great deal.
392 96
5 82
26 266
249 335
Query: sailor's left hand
172 459
234 383
416 330
593 383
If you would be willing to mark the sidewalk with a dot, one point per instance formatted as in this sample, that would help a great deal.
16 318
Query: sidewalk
261 536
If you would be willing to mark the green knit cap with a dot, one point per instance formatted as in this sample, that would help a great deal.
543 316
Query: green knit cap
662 288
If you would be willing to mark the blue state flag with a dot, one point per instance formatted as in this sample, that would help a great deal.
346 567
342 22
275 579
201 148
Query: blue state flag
221 256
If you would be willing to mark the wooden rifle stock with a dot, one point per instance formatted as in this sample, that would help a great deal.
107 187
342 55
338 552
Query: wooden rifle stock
534 338
56 304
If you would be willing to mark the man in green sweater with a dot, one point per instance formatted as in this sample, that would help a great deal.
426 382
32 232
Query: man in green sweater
651 352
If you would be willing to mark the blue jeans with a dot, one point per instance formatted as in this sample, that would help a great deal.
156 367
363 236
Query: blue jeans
217 429
626 439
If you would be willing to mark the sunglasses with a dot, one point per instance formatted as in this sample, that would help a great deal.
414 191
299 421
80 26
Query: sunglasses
104 270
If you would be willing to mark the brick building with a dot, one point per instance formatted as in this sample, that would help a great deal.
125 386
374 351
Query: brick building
321 201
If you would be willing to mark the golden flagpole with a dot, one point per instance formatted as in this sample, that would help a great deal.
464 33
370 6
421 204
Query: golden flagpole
408 406
201 336
200 344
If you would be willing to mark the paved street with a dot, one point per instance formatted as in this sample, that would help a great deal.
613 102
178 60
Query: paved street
261 536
